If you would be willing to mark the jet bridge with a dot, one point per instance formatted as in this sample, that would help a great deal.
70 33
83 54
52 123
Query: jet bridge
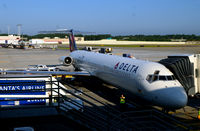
186 69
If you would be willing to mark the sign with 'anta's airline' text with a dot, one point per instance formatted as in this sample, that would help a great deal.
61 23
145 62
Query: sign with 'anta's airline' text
22 87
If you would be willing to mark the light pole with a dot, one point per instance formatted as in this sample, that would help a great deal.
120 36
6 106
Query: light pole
19 29
8 30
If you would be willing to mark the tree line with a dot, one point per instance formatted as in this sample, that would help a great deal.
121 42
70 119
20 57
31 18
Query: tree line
158 37
123 38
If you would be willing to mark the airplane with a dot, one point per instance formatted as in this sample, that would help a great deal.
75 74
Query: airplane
149 80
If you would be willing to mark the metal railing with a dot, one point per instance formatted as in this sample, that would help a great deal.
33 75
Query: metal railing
145 119
103 117
53 98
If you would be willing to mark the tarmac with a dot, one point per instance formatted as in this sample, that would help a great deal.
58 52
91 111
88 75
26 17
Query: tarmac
18 58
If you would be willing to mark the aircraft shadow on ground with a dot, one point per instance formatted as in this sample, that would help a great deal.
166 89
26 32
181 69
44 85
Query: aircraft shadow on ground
108 92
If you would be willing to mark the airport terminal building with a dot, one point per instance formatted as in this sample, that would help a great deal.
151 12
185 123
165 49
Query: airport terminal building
10 39
55 40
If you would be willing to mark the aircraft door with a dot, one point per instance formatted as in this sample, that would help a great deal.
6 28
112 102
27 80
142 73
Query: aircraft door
139 87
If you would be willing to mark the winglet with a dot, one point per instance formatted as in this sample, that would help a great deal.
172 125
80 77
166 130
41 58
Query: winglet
72 43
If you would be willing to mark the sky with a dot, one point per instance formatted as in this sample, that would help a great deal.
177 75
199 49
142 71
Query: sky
116 17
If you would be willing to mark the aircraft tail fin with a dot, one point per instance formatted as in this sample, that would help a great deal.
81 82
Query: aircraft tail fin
72 42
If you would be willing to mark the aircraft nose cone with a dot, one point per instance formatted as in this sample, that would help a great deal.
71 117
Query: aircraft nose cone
179 98
173 98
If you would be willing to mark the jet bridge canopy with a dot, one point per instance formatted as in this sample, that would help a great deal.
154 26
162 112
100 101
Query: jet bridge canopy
182 68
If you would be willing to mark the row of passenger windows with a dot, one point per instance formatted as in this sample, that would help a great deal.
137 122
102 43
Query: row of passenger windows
152 78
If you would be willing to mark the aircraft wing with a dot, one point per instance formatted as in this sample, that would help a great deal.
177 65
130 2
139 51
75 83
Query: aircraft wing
81 73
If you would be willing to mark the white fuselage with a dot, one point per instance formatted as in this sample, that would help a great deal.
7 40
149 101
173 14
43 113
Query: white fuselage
136 76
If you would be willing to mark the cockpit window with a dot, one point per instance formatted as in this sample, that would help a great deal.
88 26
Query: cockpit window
162 78
169 78
156 77
173 77
149 77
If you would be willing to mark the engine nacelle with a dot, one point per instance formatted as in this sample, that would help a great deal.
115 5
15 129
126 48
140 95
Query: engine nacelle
66 60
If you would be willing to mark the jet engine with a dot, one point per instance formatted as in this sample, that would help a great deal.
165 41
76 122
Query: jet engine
66 60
